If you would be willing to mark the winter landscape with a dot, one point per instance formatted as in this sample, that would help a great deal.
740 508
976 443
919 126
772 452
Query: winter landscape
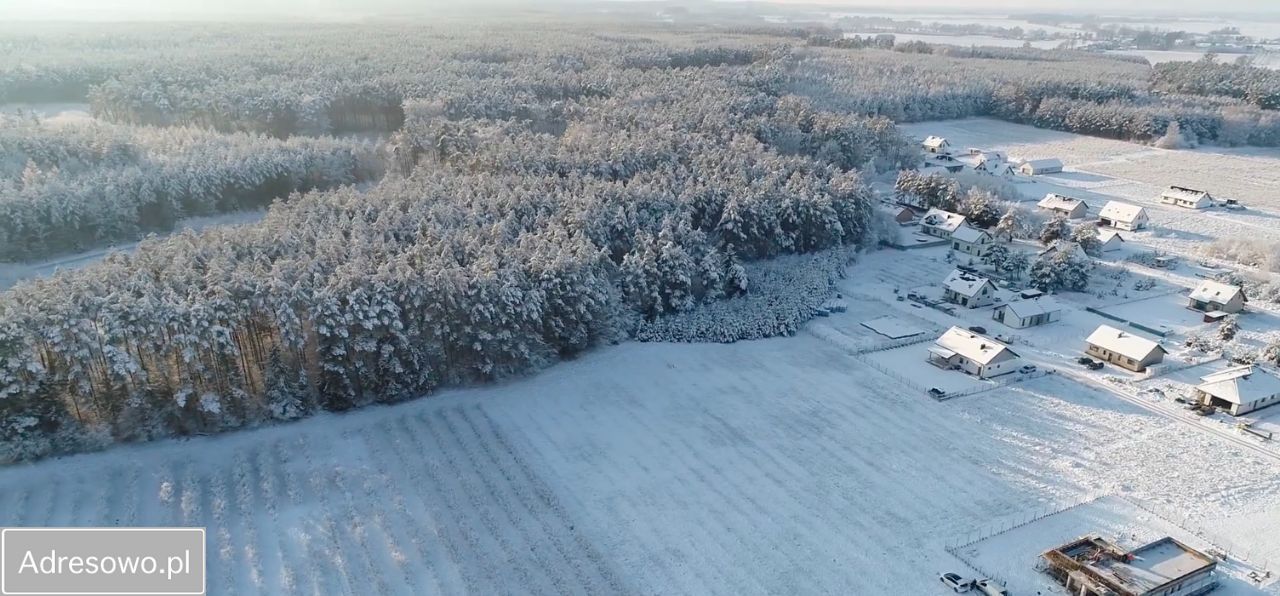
652 298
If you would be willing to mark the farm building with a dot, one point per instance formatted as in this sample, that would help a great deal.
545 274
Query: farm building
971 241
1036 167
942 224
975 354
934 144
1028 313
1123 216
1069 207
1213 296
1123 349
1189 198
968 290
1092 566
1110 240
1239 389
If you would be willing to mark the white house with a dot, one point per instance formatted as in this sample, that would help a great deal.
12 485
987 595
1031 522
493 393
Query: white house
1123 348
975 354
971 241
942 224
1020 314
934 144
1036 167
1069 207
994 164
968 290
1110 240
1123 216
1212 296
1063 246
1189 198
1239 389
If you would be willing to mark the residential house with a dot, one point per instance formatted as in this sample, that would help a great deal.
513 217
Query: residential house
1189 198
1212 296
971 241
1123 348
942 224
1020 314
968 290
1110 240
901 215
994 164
934 144
1239 389
1068 207
1058 246
1037 167
975 354
1123 216
1093 566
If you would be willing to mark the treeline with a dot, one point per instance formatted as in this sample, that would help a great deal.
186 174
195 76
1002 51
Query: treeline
1255 85
68 188
502 241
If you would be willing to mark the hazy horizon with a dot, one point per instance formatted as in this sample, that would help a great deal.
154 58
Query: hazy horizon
323 10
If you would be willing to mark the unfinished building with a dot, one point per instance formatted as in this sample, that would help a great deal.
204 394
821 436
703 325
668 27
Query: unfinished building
1092 566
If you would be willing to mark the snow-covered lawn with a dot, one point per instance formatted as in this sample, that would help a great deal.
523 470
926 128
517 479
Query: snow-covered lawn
1167 313
1014 554
893 327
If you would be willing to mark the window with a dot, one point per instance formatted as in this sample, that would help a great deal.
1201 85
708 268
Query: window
1130 361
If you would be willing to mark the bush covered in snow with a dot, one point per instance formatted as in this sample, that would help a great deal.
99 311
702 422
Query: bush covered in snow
784 293
1253 252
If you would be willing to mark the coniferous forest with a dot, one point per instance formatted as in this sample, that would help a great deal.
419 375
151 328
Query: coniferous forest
454 205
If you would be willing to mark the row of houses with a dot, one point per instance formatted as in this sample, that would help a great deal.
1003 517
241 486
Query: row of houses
992 162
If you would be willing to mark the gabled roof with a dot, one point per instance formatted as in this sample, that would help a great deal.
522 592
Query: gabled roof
965 233
1123 342
1105 236
943 220
1043 163
965 284
1066 246
1215 291
1240 384
1029 308
1059 202
1117 211
935 142
1186 194
977 348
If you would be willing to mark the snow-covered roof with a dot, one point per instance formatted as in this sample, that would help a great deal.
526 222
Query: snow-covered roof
1186 194
943 220
935 142
965 284
1117 211
1240 384
977 348
1215 291
1105 236
1123 342
968 234
1066 246
1042 164
1059 202
1029 308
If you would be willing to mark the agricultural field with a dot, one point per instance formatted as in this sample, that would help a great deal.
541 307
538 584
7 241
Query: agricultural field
780 465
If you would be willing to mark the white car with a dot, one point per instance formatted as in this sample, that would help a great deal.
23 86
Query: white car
955 582
991 587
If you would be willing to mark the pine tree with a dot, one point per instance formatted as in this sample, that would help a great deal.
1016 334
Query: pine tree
1053 230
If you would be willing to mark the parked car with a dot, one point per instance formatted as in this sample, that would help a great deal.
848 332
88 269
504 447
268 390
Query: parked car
1027 369
935 392
991 587
1089 363
977 329
955 582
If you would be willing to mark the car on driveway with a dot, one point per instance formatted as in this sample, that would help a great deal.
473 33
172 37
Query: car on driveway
990 587
1089 363
955 582
1027 369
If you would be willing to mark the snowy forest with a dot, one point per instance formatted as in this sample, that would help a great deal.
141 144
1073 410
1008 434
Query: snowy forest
451 206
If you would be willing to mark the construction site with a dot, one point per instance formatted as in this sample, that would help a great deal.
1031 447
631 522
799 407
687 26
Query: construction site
1092 566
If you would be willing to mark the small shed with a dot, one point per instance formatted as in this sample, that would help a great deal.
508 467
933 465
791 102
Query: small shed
1110 240
1037 167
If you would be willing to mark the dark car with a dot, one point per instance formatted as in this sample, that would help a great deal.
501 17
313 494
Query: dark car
977 329
1089 363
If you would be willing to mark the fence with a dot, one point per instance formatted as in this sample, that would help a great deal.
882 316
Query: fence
889 372
1157 370
1225 545
1112 317
901 342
